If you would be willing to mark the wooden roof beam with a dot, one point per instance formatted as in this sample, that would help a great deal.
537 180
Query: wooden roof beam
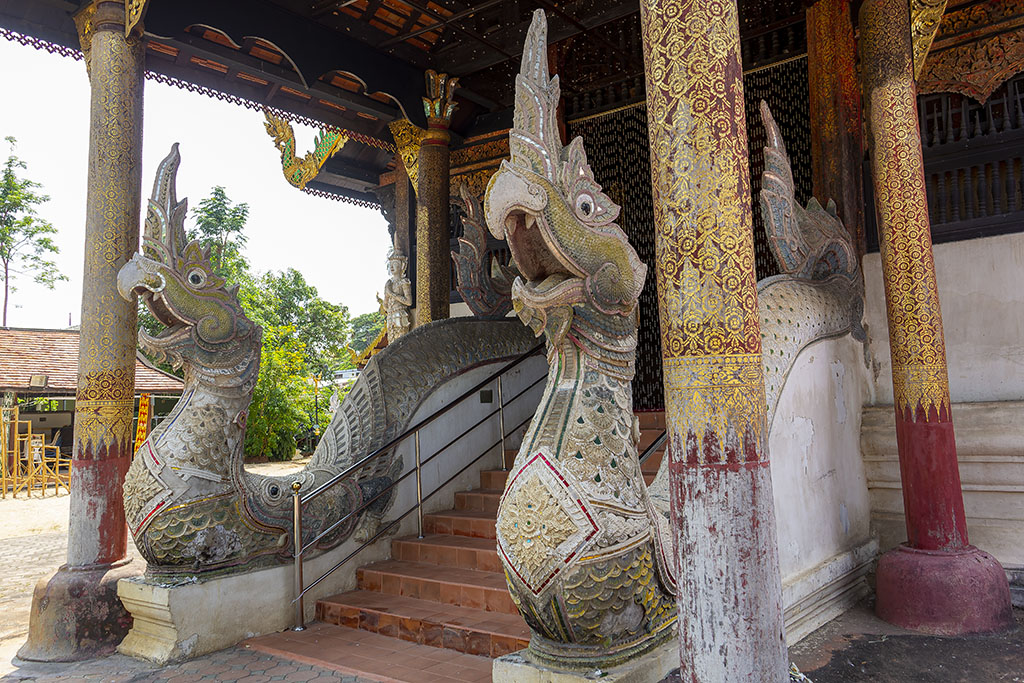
437 25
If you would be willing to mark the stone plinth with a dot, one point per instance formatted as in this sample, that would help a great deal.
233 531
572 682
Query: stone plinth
519 667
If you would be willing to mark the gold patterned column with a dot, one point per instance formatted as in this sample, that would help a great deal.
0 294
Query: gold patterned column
837 140
936 582
433 252
403 209
76 613
715 411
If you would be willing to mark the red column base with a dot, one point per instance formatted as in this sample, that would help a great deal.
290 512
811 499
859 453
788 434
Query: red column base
943 593
77 615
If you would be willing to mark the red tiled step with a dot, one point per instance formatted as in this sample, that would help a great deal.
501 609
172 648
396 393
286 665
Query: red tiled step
461 523
446 549
473 631
370 655
448 585
480 500
653 463
494 479
651 420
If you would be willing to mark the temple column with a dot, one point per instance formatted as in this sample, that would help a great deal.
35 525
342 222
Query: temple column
730 593
403 208
76 613
837 142
936 582
433 251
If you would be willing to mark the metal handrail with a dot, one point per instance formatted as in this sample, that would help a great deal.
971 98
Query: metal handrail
341 476
299 500
649 451
403 515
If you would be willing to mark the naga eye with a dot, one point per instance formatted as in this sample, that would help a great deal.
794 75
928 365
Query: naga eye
585 204
196 277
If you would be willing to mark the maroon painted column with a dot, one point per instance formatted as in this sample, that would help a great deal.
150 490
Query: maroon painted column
76 613
936 582
723 513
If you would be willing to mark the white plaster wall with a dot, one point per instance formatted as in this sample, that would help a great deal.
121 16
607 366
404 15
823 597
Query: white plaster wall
981 292
822 508
821 496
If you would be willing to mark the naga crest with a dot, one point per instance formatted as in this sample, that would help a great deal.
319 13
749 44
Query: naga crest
558 223
176 280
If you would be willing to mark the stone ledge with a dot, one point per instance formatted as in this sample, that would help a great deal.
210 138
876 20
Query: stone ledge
652 667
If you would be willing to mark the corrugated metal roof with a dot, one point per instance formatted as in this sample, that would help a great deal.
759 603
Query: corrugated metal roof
54 353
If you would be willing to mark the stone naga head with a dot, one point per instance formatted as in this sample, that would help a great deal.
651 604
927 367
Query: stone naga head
176 280
545 203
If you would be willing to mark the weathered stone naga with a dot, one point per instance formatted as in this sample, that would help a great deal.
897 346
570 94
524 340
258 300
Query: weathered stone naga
576 531
586 547
191 506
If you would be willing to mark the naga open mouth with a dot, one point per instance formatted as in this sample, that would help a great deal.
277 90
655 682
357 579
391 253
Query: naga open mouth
174 326
531 250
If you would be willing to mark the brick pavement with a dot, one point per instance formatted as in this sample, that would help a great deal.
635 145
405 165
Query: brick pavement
234 664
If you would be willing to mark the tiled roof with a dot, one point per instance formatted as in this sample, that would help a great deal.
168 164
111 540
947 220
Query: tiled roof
54 353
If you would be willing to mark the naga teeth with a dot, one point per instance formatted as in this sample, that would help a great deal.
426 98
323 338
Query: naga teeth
531 221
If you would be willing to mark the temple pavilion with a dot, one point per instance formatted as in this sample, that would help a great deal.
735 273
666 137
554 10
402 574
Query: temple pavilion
904 119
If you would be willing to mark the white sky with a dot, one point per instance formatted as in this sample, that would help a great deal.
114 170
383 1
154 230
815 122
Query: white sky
44 103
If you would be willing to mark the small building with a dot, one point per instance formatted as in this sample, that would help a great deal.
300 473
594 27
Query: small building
43 365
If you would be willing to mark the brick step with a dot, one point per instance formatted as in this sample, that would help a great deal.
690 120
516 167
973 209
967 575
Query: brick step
461 523
372 656
445 549
649 436
479 500
651 419
653 463
494 479
464 629
447 585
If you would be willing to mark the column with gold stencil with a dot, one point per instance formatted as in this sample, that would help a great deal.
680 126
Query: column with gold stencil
433 252
76 613
936 582
837 142
730 611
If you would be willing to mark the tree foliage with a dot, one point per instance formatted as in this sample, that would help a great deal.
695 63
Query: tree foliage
304 336
220 227
365 329
25 242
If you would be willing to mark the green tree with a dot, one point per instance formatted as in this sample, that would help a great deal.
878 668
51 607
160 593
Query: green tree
286 299
220 226
365 329
25 240
275 415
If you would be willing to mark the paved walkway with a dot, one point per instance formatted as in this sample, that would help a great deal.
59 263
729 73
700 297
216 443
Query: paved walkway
234 664
33 543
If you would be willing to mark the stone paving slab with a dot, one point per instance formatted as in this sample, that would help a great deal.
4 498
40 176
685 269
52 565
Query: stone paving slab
234 664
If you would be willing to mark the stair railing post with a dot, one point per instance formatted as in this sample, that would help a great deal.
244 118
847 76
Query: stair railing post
300 616
501 425
419 487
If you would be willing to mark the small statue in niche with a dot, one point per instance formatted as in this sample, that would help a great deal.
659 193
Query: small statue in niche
397 296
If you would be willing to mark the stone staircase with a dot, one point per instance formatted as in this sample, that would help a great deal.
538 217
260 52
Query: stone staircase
445 590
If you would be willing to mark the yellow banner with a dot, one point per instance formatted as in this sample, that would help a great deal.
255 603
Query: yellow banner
142 430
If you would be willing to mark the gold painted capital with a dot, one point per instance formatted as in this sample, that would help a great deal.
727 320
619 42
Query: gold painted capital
925 16
439 104
407 137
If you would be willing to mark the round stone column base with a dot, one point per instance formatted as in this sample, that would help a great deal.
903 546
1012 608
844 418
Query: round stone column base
943 593
77 615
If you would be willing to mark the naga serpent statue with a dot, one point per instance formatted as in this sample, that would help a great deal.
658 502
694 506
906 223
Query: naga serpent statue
191 506
586 546
575 521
